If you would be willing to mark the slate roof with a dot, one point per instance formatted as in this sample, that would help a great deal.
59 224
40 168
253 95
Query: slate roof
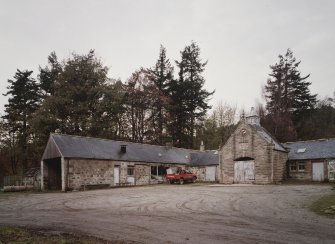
32 172
96 148
205 158
267 137
316 149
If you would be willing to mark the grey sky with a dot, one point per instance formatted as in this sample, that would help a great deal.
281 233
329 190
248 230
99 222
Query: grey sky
240 39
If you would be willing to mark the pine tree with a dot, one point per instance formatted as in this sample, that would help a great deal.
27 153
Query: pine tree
188 95
23 101
288 97
161 75
48 75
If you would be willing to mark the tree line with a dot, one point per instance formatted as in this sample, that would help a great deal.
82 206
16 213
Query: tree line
75 96
154 105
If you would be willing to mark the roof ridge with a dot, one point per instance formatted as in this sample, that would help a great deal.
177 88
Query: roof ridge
273 139
314 140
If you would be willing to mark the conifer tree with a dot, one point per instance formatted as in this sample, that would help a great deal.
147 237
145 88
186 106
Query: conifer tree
189 96
288 97
23 101
48 75
161 75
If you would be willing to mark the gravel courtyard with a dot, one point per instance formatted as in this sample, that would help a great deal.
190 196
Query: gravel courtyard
179 213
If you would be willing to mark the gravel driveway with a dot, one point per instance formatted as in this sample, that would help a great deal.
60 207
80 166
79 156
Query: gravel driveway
179 213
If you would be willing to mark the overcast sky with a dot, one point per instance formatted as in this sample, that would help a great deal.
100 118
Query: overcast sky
240 39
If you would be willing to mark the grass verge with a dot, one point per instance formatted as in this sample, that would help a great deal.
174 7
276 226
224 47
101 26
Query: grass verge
325 206
9 234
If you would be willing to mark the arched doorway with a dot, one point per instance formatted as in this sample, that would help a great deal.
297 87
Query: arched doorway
244 170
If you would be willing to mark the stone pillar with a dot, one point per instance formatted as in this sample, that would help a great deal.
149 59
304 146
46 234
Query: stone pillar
64 173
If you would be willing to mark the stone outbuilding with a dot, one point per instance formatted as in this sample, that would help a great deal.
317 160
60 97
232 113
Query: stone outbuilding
311 160
74 162
252 155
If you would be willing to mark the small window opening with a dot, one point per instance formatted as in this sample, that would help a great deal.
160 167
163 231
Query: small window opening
130 171
301 166
293 166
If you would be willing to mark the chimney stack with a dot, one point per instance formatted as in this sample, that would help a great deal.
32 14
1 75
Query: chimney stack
202 146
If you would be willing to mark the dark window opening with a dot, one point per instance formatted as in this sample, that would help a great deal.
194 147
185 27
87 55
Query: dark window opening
293 166
158 170
301 166
130 171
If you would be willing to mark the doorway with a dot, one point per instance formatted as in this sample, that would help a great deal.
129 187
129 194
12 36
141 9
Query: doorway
54 174
318 172
244 171
116 175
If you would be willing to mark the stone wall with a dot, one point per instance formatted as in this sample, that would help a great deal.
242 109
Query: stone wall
246 143
199 171
279 166
83 173
88 172
301 175
142 174
218 173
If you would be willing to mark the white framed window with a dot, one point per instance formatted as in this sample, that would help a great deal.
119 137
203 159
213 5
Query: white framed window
301 167
293 166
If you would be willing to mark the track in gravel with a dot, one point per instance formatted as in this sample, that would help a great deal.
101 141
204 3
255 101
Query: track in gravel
179 214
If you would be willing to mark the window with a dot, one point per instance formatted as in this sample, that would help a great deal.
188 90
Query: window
293 166
158 170
301 167
130 171
301 150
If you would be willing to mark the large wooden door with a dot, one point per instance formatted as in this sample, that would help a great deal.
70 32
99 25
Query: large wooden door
244 171
318 172
210 173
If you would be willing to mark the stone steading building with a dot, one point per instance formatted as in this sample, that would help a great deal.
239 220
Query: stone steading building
74 162
311 160
252 155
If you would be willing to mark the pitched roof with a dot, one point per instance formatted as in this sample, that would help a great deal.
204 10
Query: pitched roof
263 133
96 148
316 149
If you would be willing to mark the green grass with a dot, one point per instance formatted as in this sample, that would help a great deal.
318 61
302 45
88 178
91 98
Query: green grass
324 203
22 235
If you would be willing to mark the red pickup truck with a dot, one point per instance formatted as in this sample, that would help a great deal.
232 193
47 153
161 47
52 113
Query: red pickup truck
181 177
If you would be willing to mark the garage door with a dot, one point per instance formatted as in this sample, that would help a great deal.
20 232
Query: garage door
244 171
318 173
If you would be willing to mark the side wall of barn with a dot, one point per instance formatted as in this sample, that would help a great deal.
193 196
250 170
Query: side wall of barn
90 173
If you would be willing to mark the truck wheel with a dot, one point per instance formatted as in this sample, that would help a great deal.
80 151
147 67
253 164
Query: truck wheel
181 181
194 179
